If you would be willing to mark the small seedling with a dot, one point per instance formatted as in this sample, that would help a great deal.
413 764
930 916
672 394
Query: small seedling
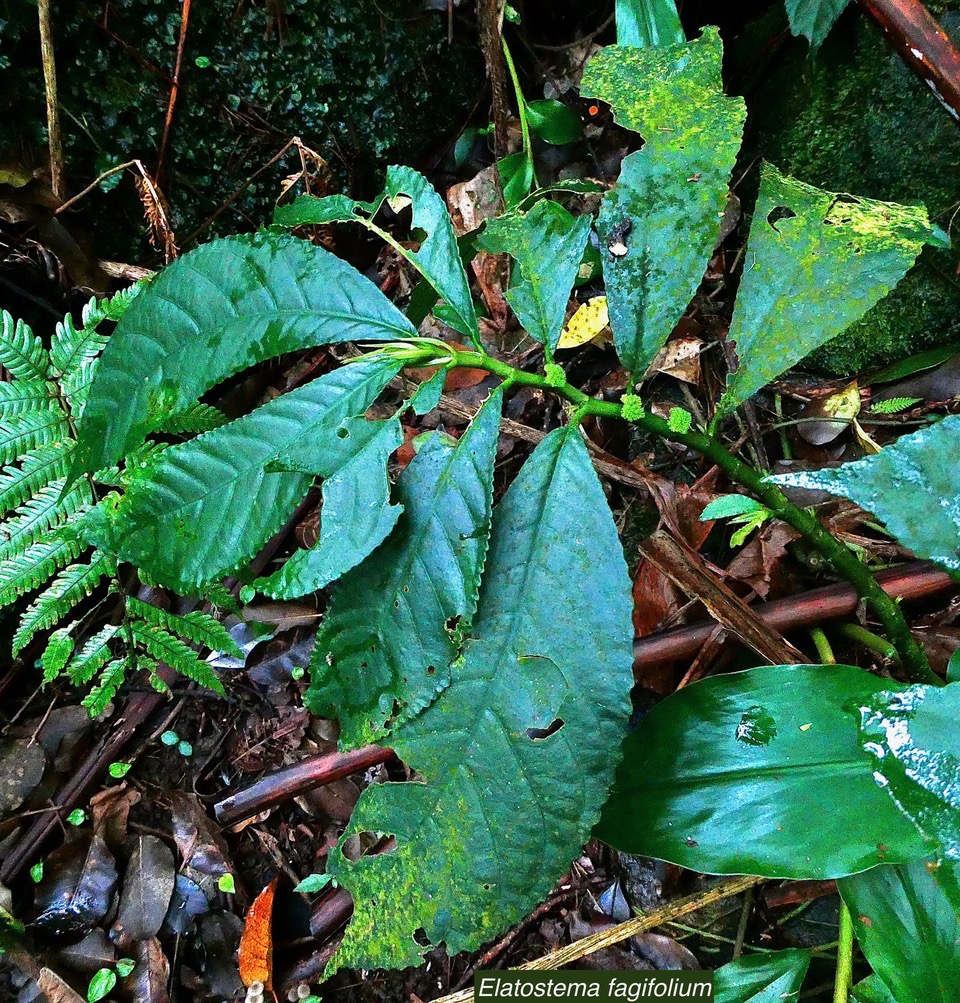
77 817
119 770
101 984
226 884
170 738
36 872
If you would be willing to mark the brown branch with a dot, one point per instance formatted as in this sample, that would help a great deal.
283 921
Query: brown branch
174 89
53 108
922 44
489 16
916 580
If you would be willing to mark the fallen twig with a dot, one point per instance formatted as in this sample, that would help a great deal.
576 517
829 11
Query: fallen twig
54 139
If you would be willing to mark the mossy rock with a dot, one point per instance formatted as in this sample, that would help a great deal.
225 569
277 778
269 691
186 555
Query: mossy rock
853 118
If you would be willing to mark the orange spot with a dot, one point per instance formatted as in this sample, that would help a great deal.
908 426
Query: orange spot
594 109
256 943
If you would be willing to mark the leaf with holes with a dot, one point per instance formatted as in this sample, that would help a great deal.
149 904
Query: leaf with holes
913 485
815 262
437 259
907 922
517 757
217 311
547 244
661 221
392 630
783 744
210 503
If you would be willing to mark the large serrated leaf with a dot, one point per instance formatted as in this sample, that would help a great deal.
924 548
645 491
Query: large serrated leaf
814 18
210 503
648 22
662 218
907 924
392 629
437 259
214 312
913 485
780 743
762 978
816 261
547 244
516 758
356 517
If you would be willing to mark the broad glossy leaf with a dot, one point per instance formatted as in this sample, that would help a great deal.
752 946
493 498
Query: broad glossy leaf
779 746
356 517
913 485
814 18
662 218
648 22
438 258
761 978
553 121
913 736
906 921
210 503
212 313
394 625
547 245
816 261
872 990
508 792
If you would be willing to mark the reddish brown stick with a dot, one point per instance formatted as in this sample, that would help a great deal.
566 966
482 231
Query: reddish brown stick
922 44
281 785
174 89
915 580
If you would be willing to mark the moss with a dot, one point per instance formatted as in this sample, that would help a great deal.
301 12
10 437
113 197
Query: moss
855 119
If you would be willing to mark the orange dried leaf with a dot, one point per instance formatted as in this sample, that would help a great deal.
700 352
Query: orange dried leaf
256 944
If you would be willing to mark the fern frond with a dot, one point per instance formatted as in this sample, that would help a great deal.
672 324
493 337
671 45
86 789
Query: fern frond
196 627
57 653
195 419
37 469
20 434
218 595
21 396
115 306
47 509
92 657
167 647
35 565
21 351
71 586
71 346
111 678
894 405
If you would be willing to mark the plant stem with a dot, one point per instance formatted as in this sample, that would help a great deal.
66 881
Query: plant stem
54 139
843 560
824 651
521 109
868 639
844 979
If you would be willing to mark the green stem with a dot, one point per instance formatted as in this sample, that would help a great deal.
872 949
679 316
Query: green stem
824 651
521 109
844 560
868 639
844 979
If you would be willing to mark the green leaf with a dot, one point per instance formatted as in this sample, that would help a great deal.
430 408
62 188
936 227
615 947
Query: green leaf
816 262
913 738
761 978
36 470
35 565
912 485
314 883
517 177
226 884
56 654
167 647
356 516
872 990
77 817
907 924
70 587
101 984
730 505
212 502
196 626
36 872
21 351
554 122
212 313
508 792
125 966
92 657
109 682
119 770
28 431
814 18
429 393
661 221
780 743
194 419
547 244
21 396
48 508
393 626
438 258
648 22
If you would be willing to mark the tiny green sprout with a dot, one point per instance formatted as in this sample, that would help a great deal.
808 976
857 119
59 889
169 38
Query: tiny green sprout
169 738
679 420
297 672
202 62
316 883
226 884
125 966
556 377
77 817
632 407
510 13
247 594
185 749
100 985
119 770
36 872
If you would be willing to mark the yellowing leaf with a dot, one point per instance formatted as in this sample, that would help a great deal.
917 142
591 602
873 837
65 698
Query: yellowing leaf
843 404
586 324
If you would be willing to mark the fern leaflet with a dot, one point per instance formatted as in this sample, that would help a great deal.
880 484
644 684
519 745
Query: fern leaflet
28 431
21 350
37 469
48 508
197 627
169 648
92 657
29 569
